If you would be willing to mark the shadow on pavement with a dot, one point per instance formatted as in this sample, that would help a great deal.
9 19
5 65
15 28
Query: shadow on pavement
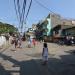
63 66
71 52
3 71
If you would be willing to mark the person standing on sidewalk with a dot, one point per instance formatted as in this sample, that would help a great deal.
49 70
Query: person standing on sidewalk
45 54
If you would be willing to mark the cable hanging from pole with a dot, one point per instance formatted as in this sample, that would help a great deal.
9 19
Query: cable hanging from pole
23 12
28 12
20 11
28 9
16 10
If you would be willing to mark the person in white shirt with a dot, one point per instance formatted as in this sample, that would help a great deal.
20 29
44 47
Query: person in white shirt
45 54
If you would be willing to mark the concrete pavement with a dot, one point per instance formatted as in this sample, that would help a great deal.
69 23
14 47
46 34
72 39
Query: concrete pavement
28 61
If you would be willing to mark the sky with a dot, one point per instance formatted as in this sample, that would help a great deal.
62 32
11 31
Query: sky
65 8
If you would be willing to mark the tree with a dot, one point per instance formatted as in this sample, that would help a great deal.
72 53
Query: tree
7 28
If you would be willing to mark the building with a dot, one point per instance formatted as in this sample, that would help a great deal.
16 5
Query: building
45 26
65 28
34 27
31 32
55 26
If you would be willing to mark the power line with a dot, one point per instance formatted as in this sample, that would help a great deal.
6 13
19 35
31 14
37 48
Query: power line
28 12
20 11
23 9
23 12
44 6
16 10
28 9
18 6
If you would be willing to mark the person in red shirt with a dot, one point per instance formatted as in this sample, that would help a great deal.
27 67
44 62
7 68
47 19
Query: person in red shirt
34 42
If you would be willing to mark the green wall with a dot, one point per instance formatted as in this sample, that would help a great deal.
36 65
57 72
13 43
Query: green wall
49 27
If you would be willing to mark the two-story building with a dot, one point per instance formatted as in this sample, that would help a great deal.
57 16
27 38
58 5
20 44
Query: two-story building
53 26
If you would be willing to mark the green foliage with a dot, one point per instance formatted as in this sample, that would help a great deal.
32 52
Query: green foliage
7 28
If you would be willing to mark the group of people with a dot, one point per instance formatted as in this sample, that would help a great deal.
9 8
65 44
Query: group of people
17 41
31 41
44 51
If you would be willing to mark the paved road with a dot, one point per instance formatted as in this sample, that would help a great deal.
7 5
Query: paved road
27 61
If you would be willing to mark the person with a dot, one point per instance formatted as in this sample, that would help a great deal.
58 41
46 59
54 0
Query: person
45 54
29 42
19 42
34 42
15 41
10 40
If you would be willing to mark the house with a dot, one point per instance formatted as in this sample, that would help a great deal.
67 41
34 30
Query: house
55 26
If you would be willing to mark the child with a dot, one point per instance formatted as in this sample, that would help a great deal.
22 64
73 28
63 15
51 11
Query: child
45 54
